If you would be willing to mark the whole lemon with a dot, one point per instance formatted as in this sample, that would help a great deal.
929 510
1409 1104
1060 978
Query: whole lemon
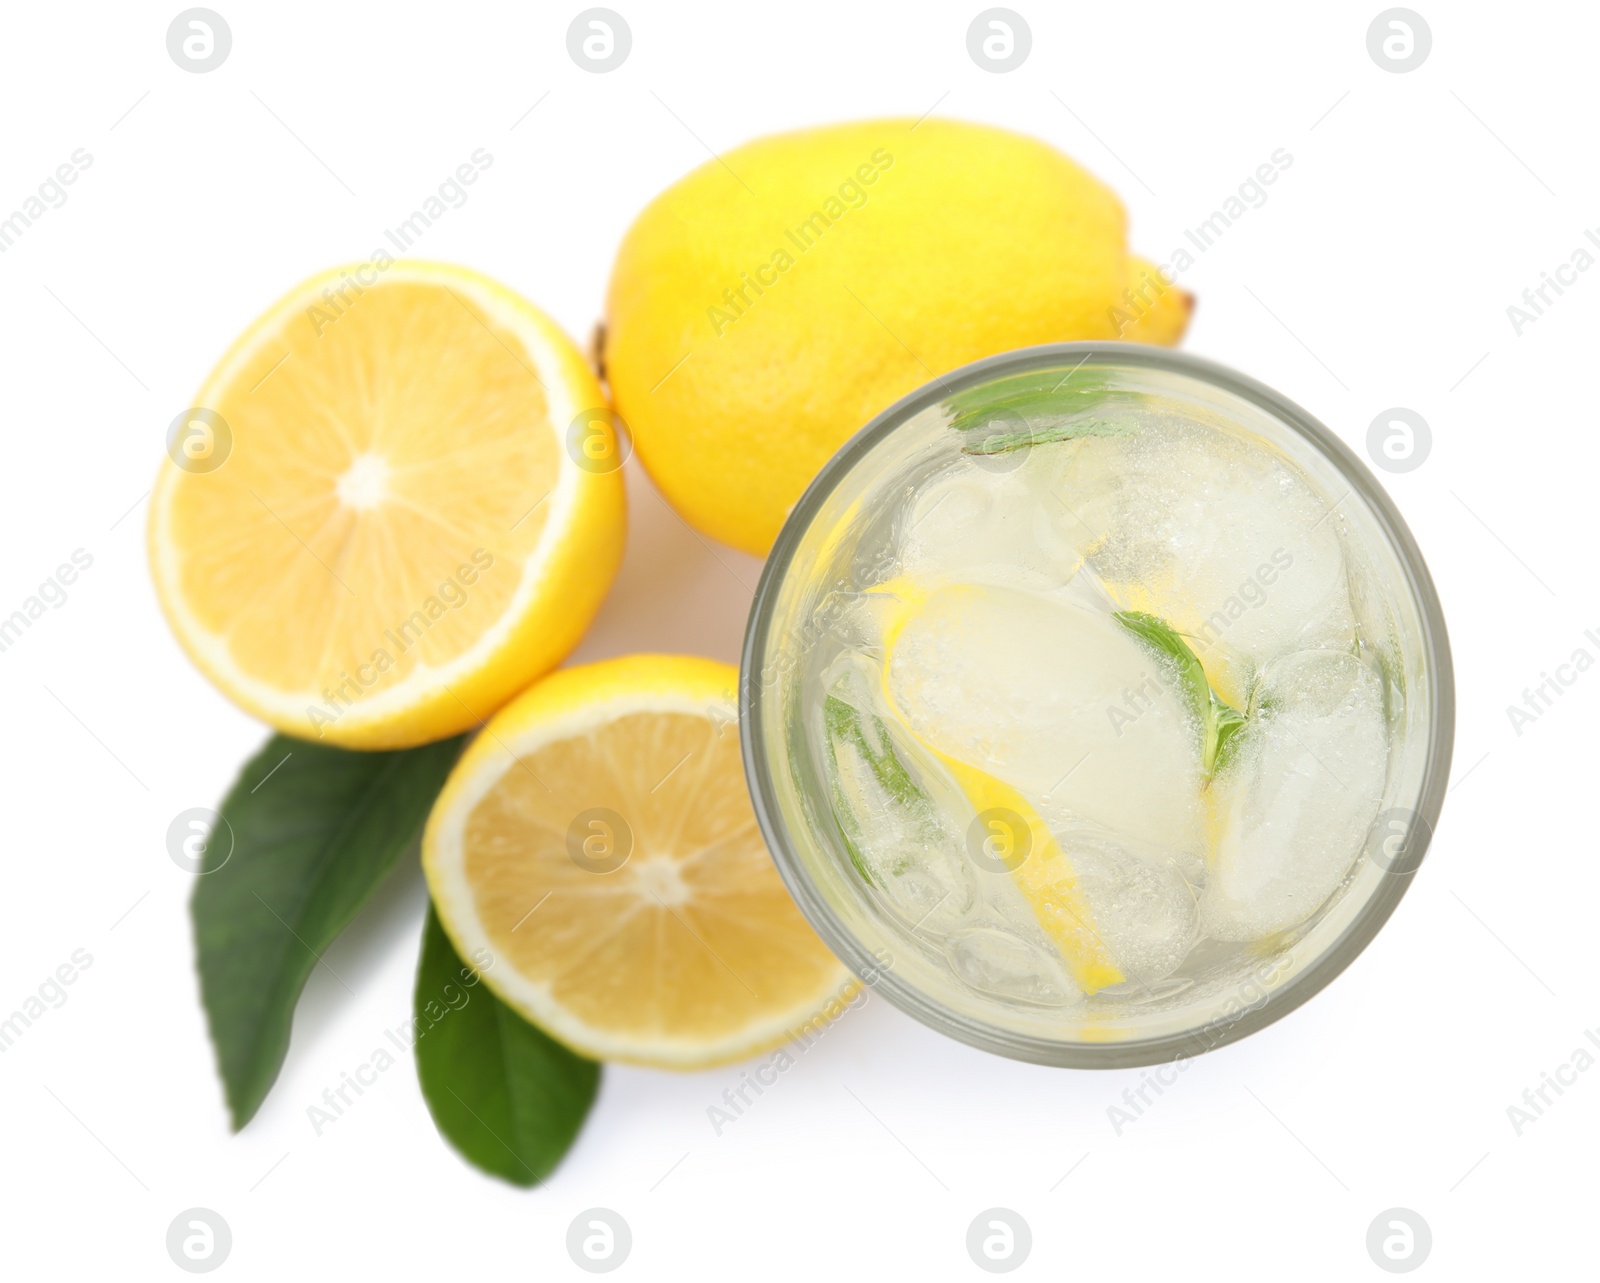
767 305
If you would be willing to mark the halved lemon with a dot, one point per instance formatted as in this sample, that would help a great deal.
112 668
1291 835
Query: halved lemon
394 505
597 846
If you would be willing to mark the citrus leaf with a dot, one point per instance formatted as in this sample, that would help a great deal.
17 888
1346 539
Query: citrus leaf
311 831
506 1095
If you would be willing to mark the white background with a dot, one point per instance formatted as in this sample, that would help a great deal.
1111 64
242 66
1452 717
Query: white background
1418 207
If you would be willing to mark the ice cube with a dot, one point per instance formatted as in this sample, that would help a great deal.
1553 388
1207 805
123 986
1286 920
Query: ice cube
1143 907
1226 541
974 524
897 834
1059 701
997 962
1294 803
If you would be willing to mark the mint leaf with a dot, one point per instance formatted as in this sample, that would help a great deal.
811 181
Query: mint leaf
865 733
845 720
843 725
1165 641
1003 442
314 830
506 1095
1031 393
1230 721
1219 722
1036 407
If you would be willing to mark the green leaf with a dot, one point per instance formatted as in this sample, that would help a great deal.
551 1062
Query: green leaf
506 1095
1033 393
1039 407
314 830
846 721
1229 722
1165 640
1219 723
1003 442
867 734
843 723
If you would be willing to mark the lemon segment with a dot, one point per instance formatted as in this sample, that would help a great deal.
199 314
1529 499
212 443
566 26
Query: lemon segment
1046 879
392 537
597 842
1044 876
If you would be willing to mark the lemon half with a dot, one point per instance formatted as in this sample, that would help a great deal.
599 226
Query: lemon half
374 529
597 844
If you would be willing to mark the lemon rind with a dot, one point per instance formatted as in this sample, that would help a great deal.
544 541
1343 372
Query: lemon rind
433 700
569 703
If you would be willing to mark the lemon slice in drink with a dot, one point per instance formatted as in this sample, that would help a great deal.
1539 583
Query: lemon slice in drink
392 507
1019 840
598 843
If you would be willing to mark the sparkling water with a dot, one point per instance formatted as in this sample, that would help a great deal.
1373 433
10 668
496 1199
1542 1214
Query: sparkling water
1148 634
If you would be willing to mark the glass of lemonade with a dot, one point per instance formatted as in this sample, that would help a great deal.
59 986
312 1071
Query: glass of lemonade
1097 705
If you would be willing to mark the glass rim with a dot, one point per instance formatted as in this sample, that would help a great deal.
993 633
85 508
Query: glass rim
1278 1002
